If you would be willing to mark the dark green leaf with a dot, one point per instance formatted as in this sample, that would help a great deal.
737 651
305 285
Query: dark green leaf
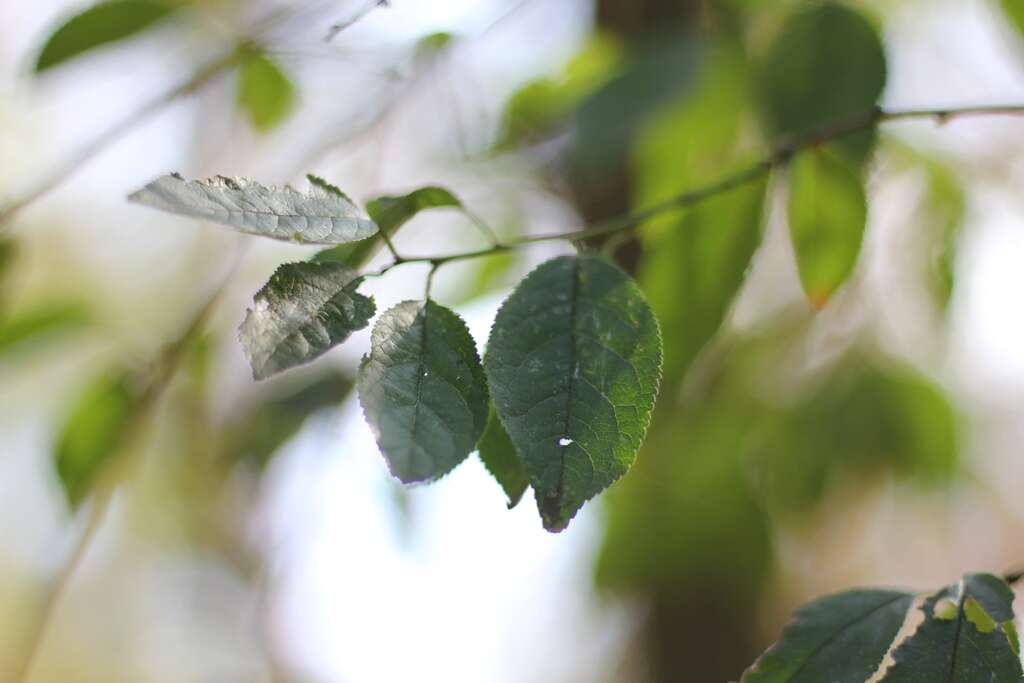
827 217
93 432
265 93
304 310
826 64
967 636
423 390
99 25
389 213
840 639
574 362
499 456
34 324
320 216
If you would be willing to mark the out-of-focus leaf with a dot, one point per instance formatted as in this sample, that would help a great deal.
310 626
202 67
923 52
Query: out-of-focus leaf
104 23
692 274
37 324
826 65
265 93
259 434
574 362
1015 13
423 390
868 414
320 216
93 432
541 105
432 44
686 521
607 121
7 251
303 311
945 212
840 638
827 217
389 213
488 275
940 216
968 635
498 454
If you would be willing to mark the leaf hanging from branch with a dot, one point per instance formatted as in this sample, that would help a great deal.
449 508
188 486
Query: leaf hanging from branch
319 216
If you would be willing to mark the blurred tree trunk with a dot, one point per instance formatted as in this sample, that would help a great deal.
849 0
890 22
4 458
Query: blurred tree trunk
693 639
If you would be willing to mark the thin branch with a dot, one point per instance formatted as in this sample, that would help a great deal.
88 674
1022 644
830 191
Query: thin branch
68 168
165 369
342 25
780 154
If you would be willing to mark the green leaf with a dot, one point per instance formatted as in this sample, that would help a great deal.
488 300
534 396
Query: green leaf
693 273
319 216
265 93
389 213
573 363
945 213
973 641
841 639
827 217
92 433
1015 12
106 22
825 65
7 252
433 44
44 321
499 456
255 437
304 310
967 635
423 390
540 105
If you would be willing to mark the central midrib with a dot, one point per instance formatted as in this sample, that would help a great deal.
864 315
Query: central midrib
573 294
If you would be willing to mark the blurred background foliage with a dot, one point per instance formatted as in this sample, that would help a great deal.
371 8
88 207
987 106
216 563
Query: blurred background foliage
822 420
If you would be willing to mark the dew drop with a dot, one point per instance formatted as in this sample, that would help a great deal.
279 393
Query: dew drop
565 441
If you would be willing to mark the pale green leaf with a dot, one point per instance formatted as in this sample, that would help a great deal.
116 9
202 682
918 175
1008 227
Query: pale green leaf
93 432
104 23
573 363
318 216
827 217
840 638
265 93
28 328
498 454
423 390
302 312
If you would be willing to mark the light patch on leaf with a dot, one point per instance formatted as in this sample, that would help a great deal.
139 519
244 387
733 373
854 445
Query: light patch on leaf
302 312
